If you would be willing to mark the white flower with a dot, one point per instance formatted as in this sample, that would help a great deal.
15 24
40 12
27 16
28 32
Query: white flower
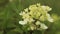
34 15
22 22
46 8
32 7
38 4
32 28
38 23
25 16
49 18
42 18
43 26
31 20
26 10
21 13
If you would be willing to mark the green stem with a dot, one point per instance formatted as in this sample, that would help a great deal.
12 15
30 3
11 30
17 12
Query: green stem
43 31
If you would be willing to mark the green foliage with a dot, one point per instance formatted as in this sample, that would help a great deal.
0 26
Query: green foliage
9 15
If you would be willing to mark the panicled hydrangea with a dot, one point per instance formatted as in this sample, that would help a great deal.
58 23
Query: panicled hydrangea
34 15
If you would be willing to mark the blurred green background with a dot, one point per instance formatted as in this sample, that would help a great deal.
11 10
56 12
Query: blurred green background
9 15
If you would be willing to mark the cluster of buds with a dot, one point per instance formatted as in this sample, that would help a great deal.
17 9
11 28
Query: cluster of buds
34 15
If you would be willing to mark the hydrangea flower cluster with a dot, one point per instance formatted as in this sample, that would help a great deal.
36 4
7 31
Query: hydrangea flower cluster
34 15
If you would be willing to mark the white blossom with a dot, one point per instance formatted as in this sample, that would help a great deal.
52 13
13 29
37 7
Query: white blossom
26 10
22 22
34 15
38 4
21 13
49 18
46 8
43 26
38 23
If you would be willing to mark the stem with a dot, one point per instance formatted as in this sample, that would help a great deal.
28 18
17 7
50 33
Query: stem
31 32
4 32
43 31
